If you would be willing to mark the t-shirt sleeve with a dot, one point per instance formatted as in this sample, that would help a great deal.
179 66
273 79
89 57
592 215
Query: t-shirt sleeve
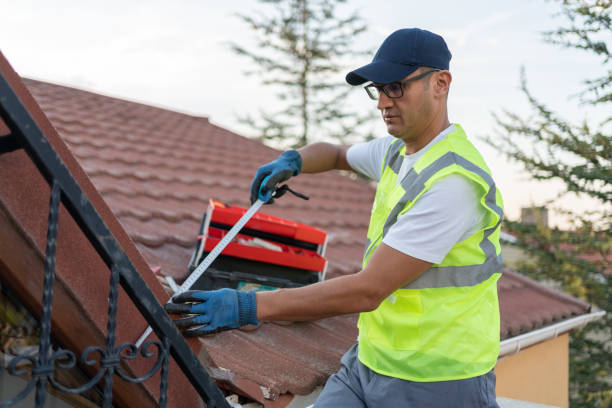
448 213
366 158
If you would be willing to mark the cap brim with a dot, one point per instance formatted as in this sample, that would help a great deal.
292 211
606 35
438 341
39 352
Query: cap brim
380 72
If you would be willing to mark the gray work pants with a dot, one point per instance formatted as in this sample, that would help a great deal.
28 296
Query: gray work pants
356 386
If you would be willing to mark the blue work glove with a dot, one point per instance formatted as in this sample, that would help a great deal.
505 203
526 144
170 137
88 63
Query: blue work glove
269 175
213 311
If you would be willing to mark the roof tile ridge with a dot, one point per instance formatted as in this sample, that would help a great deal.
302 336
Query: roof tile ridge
118 159
125 145
313 204
110 98
334 223
253 141
338 187
345 239
170 216
154 163
134 192
344 267
331 333
148 176
271 393
342 176
54 116
269 348
130 133
157 241
135 145
320 323
508 281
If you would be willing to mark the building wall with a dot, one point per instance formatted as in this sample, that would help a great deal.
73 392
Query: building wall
538 374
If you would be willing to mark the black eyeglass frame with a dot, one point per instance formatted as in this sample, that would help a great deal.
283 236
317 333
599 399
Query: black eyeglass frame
374 90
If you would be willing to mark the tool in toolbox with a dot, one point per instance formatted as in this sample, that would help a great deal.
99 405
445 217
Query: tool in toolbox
229 236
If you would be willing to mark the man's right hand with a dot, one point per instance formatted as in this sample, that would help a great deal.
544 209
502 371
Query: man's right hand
209 312
287 165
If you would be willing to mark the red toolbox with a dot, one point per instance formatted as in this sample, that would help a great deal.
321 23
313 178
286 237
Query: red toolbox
269 252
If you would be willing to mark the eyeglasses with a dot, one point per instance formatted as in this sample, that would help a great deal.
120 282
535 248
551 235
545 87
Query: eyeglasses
394 89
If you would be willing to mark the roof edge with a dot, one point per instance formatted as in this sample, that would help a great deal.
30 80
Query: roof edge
515 344
123 98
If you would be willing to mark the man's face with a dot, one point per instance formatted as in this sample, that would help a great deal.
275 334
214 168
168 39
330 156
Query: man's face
408 116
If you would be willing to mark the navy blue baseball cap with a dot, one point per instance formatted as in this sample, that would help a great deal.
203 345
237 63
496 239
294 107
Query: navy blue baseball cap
401 54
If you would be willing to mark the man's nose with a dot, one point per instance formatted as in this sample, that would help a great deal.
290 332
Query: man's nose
384 101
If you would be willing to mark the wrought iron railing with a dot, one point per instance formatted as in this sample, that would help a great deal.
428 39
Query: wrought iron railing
26 134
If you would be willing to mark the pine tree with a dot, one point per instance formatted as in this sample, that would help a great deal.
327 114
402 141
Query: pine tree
299 48
580 155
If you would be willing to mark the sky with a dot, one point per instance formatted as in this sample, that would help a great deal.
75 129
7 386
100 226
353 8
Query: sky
175 55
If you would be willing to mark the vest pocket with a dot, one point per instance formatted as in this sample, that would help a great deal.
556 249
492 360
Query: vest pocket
395 323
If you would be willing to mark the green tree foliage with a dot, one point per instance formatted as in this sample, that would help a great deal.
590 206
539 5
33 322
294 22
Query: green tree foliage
580 155
300 45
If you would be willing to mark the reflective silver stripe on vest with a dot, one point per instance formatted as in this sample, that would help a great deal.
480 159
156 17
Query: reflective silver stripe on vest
411 178
393 159
487 246
367 247
439 277
370 247
455 276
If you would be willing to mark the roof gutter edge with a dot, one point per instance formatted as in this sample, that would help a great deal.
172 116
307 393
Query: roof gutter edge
514 345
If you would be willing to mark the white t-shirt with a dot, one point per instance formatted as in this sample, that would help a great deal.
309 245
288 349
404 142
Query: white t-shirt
448 213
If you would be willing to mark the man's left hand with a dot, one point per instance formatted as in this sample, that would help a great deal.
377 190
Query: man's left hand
213 311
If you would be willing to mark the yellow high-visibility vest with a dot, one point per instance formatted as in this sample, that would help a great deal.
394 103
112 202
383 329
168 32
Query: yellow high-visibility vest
444 325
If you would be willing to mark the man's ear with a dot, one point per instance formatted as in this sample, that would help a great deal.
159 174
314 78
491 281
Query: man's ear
442 83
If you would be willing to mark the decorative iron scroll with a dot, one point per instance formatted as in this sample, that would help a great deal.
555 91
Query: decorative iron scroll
41 368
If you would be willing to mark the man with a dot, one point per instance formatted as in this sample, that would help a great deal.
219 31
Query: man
427 293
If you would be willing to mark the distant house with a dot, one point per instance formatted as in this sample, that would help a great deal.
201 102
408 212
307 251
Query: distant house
156 169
